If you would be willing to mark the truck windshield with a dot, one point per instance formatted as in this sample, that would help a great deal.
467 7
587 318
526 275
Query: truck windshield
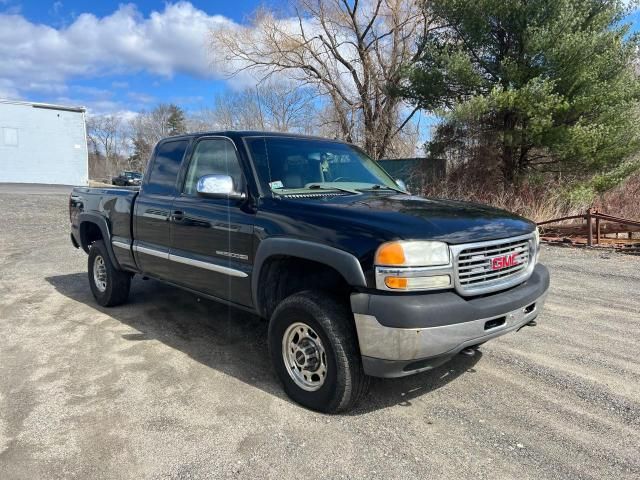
290 165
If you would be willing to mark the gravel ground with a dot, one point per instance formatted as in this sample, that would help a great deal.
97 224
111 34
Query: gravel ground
170 386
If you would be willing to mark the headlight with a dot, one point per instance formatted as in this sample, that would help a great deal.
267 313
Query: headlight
537 244
413 266
412 254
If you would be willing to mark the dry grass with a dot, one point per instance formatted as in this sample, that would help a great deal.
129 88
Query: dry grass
623 200
95 183
538 201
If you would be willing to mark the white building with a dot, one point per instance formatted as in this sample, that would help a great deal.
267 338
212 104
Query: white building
41 143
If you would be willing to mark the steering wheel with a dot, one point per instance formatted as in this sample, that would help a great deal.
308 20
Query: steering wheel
344 179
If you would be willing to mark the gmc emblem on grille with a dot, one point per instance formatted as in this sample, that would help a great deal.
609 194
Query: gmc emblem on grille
506 261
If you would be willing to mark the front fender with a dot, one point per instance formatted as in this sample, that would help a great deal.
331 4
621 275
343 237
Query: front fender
343 262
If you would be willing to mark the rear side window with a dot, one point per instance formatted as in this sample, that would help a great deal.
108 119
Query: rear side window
164 171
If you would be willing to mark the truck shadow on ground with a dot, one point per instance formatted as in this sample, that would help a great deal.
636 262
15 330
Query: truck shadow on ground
232 341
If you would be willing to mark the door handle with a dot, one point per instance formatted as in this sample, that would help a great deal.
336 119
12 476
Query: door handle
177 216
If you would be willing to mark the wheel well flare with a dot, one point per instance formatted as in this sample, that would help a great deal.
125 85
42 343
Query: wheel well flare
282 276
89 233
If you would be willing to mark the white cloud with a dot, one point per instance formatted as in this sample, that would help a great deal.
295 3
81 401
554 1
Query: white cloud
56 7
7 90
41 57
10 7
142 97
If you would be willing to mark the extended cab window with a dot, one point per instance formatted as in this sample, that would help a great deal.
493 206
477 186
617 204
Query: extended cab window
213 156
164 171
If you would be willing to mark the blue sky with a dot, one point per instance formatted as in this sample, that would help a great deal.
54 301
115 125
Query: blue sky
185 78
64 12
114 56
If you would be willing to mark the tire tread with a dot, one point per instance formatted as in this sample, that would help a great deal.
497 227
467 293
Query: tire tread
337 322
119 282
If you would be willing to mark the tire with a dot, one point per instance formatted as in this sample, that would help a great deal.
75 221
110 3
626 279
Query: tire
339 383
114 290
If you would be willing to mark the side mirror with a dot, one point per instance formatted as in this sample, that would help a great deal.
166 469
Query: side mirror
217 186
401 184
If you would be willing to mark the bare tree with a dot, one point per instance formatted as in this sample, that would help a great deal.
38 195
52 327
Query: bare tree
238 111
353 52
163 121
104 133
147 128
406 144
107 141
276 106
201 120
286 107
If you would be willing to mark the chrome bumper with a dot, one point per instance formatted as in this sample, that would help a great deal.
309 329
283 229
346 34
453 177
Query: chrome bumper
408 344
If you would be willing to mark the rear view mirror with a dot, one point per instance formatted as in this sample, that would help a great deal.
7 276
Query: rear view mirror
217 186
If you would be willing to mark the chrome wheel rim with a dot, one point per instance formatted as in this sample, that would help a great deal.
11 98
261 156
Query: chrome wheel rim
304 356
100 273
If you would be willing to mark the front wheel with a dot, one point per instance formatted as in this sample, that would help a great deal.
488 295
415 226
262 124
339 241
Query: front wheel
110 286
314 350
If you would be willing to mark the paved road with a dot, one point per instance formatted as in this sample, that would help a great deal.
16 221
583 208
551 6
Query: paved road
170 386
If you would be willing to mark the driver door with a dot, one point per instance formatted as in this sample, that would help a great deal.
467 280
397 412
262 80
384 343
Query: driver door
212 239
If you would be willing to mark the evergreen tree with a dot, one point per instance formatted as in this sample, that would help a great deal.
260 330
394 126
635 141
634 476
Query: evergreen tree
176 121
141 154
535 84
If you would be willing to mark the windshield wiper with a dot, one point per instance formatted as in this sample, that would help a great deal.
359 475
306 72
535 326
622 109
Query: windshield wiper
377 186
318 186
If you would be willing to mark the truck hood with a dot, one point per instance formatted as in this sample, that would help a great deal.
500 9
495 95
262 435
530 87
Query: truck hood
410 217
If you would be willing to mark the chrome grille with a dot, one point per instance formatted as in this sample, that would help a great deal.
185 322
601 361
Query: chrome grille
475 269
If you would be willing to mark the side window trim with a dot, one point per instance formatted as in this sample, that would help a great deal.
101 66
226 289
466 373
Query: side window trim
147 173
189 158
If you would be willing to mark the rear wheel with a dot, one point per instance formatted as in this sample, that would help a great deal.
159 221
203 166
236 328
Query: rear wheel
314 350
110 286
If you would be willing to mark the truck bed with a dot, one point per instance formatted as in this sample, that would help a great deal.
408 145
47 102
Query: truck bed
113 205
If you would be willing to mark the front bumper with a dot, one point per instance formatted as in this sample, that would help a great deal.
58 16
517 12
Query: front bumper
404 334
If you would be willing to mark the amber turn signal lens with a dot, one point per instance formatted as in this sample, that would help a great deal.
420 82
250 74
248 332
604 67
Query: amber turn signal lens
390 254
397 283
418 283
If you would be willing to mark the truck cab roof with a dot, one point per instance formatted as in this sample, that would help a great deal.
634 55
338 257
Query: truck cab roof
237 134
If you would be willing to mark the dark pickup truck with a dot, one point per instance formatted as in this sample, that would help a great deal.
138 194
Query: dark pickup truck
356 277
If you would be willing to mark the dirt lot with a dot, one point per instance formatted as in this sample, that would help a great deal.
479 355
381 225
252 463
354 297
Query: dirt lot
170 386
